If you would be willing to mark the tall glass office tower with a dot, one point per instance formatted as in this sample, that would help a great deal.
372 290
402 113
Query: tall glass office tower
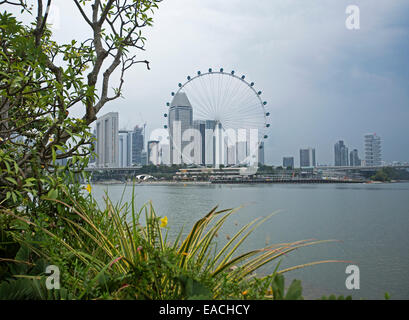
180 120
307 158
137 145
107 140
341 154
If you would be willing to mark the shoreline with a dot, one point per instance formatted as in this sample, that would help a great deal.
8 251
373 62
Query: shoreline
185 183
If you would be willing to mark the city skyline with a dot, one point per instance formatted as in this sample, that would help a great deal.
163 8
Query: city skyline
126 148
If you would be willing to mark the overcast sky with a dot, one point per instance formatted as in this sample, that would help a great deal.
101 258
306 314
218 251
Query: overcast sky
322 81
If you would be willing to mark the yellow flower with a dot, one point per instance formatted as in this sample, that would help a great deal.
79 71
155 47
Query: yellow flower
184 253
269 291
88 188
244 292
164 222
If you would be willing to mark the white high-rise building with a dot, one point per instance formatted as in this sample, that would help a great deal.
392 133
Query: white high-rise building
125 148
107 141
200 142
373 151
210 143
164 154
241 146
241 152
231 155
153 152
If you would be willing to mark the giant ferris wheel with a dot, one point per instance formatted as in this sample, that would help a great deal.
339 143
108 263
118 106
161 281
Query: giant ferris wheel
230 101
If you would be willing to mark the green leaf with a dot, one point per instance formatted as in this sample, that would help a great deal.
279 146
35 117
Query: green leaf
52 194
294 292
12 180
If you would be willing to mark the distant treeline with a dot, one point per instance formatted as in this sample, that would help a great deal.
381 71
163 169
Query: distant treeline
388 174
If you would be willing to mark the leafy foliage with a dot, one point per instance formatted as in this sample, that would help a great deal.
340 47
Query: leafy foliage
42 80
388 174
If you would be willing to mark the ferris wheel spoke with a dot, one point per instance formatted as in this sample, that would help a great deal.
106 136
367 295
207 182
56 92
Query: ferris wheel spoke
236 103
249 99
216 90
233 92
204 109
249 108
213 90
219 91
226 91
245 122
245 97
239 124
232 85
208 94
202 98
205 101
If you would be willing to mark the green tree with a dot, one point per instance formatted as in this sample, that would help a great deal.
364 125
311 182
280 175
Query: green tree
42 80
380 175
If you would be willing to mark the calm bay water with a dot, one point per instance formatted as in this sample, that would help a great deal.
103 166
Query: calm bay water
370 220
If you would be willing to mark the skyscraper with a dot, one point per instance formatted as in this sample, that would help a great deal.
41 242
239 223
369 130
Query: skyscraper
210 144
153 152
241 146
125 148
180 120
107 140
261 153
137 145
373 151
144 158
288 162
230 153
341 154
200 143
354 160
307 157
164 153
